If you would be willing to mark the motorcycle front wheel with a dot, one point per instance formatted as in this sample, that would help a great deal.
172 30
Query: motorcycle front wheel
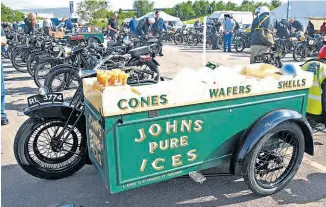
42 153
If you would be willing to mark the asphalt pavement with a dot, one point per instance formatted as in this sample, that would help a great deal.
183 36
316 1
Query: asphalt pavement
86 189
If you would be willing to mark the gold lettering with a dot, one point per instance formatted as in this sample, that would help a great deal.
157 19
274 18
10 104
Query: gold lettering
174 143
142 135
176 160
187 124
183 141
166 146
191 155
158 130
143 165
154 164
152 147
174 127
198 126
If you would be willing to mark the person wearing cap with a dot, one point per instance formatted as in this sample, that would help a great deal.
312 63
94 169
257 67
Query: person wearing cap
113 25
143 26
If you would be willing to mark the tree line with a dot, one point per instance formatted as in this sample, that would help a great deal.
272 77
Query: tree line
189 10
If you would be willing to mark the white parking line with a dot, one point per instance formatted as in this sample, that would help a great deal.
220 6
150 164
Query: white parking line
314 164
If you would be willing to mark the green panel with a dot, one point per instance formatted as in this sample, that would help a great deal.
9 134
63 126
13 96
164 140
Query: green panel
88 35
222 123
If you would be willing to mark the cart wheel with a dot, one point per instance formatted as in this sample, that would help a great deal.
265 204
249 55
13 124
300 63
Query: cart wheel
275 159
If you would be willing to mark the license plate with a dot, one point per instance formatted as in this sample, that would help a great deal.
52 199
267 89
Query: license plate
48 98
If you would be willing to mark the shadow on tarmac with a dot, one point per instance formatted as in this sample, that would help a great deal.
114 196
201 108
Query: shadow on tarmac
86 189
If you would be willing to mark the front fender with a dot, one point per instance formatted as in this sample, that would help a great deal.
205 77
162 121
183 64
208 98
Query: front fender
55 110
262 126
60 66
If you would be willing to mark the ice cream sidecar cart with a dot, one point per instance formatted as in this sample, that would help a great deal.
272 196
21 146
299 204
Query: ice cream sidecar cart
159 134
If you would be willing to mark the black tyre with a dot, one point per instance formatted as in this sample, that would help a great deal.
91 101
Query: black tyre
192 40
42 69
178 39
62 79
239 45
43 158
17 61
275 159
299 52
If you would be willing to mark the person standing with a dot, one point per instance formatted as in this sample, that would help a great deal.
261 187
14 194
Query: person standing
47 26
113 25
213 33
158 28
283 29
229 25
197 24
15 26
310 29
133 25
158 25
323 28
261 21
4 119
30 22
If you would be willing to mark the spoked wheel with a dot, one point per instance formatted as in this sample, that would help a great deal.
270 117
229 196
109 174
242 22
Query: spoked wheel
275 159
178 39
17 60
62 79
299 53
239 45
41 152
192 40
41 70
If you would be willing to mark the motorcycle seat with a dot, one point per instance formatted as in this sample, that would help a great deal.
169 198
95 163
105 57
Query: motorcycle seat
77 49
153 40
139 51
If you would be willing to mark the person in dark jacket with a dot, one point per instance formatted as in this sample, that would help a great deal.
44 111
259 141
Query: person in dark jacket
283 29
296 25
30 22
68 25
323 28
257 45
213 33
113 25
158 25
310 29
133 25
144 25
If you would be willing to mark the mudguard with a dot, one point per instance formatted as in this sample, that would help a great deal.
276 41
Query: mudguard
262 126
60 66
57 110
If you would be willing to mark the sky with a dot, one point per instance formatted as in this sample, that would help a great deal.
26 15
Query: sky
115 4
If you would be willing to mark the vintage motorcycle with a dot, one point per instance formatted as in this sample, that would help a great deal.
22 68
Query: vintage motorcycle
52 143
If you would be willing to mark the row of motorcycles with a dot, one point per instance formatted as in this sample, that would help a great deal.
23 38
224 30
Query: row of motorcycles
52 143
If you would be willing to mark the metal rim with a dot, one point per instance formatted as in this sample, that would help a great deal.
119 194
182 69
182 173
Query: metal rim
43 153
276 159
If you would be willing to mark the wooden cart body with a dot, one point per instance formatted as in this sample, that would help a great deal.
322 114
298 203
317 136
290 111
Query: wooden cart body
151 139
